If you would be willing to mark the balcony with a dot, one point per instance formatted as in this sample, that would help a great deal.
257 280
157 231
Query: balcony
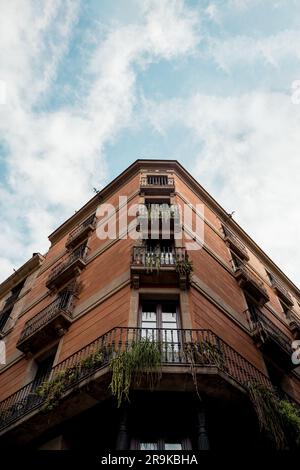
67 269
48 324
272 341
157 184
80 233
160 266
159 218
235 244
250 283
294 324
220 366
281 291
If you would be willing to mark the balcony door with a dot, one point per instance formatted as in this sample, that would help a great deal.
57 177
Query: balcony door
159 321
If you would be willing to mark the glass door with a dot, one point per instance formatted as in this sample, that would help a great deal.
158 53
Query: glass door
159 321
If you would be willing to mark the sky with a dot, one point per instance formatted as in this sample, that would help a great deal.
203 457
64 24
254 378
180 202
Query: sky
87 87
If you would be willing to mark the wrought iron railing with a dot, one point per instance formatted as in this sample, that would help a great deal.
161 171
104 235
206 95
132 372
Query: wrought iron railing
232 238
157 180
90 221
259 323
294 320
276 284
145 257
79 253
202 348
62 303
241 268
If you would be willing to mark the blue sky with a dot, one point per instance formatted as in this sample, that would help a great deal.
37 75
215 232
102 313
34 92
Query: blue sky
93 85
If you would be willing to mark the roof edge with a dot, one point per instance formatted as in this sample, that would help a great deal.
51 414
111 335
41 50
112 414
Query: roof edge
27 268
193 183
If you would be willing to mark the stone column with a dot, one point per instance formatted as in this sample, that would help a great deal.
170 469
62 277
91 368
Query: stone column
202 436
123 434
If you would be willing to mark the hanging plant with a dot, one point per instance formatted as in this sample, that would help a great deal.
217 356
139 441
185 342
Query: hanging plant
152 260
204 353
142 360
184 267
279 418
52 390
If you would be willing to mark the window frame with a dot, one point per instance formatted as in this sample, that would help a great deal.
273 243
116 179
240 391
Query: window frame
158 303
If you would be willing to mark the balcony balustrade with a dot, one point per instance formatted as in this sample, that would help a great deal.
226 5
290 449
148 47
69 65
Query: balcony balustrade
250 282
294 323
270 338
180 348
162 265
80 233
154 184
49 323
235 244
67 269
281 291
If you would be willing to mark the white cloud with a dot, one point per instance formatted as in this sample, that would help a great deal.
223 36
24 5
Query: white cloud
55 158
272 49
249 161
213 12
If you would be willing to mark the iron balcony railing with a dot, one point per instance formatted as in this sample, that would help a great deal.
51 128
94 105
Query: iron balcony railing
262 325
235 242
145 257
78 254
202 348
281 290
245 275
88 223
157 180
159 211
294 323
62 303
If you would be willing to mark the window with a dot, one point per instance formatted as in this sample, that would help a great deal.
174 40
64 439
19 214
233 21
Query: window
44 367
235 261
159 321
284 307
164 443
15 292
162 314
4 316
252 309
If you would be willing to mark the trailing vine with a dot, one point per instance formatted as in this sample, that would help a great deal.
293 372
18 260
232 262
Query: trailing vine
184 267
152 261
277 417
142 360
203 353
52 390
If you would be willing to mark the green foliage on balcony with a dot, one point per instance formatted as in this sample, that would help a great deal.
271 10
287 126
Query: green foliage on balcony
141 361
279 418
184 267
52 390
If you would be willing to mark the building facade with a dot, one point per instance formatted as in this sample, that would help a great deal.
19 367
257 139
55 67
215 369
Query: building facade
131 342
